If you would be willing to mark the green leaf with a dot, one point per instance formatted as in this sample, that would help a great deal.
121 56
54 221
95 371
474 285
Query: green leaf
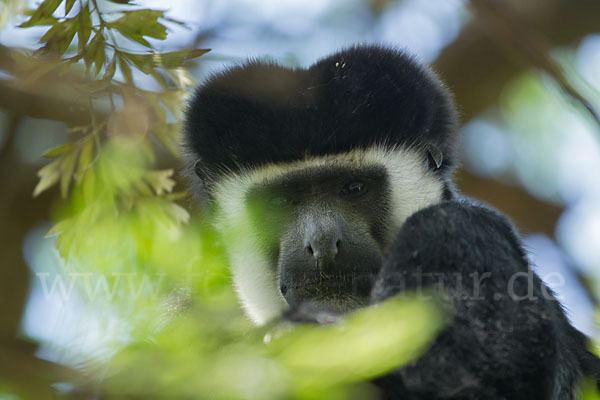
42 14
144 62
99 57
59 228
139 23
59 37
175 59
181 78
367 343
110 69
49 175
94 52
85 158
589 389
178 213
58 150
125 70
89 185
68 6
141 186
67 167
85 26
160 181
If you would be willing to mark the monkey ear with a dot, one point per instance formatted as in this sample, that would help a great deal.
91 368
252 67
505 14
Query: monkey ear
434 156
201 192
200 171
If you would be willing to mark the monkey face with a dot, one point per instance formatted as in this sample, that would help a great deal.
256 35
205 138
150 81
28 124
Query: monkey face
317 230
325 233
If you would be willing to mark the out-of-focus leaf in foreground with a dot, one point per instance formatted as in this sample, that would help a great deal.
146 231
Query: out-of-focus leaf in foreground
368 343
589 390
217 355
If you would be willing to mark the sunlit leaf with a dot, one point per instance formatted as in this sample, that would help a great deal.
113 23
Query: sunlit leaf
42 14
144 62
59 227
88 185
85 158
139 23
160 181
85 26
58 150
175 59
589 390
125 70
142 186
69 5
148 62
94 52
67 167
181 77
48 175
99 58
369 343
59 37
179 213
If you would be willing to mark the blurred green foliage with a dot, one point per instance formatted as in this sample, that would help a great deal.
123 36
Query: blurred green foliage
215 354
128 246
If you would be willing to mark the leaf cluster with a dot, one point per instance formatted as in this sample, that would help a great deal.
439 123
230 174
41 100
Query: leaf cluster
107 73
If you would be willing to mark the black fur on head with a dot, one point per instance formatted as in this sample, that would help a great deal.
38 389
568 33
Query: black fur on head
260 112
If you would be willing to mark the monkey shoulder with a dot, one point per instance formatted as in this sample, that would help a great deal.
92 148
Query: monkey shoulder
503 316
471 255
454 233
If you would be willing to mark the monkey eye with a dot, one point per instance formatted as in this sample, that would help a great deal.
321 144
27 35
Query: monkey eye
354 189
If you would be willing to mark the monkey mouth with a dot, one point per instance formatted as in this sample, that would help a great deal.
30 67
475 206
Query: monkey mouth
341 293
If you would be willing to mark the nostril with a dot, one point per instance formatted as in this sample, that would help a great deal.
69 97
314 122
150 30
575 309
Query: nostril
283 289
310 249
338 244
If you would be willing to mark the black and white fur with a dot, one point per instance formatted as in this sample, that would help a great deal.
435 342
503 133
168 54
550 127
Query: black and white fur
262 128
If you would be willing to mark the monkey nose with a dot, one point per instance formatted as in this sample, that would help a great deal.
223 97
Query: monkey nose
324 250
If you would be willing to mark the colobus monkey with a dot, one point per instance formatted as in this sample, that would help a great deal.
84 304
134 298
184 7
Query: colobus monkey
332 188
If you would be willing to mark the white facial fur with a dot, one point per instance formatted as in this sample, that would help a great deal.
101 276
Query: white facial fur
413 187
